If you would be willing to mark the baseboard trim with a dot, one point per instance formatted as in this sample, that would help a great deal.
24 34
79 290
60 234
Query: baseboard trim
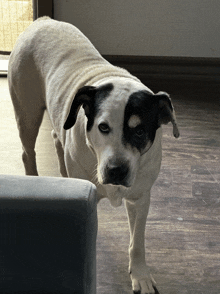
152 68
169 68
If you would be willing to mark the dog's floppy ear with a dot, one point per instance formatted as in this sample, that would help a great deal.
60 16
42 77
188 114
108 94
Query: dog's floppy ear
83 97
166 112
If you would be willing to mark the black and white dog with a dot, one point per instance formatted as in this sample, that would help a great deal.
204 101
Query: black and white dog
106 123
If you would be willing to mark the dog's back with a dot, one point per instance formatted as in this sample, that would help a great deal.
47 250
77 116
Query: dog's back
48 56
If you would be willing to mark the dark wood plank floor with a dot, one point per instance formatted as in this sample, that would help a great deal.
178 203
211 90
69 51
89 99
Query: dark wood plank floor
182 231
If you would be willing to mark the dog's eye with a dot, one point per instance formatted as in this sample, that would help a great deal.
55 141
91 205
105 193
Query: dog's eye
139 132
104 128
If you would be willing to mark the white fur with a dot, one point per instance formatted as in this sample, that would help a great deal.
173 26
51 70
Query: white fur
134 121
50 62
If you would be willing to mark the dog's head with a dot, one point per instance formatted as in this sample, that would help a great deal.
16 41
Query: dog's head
122 120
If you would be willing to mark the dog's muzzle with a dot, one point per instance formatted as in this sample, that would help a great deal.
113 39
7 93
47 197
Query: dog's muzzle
116 174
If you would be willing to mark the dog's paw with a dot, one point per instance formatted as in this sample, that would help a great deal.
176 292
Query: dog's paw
144 286
142 281
139 292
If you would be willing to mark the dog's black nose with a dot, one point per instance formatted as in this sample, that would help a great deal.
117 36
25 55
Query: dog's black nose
116 174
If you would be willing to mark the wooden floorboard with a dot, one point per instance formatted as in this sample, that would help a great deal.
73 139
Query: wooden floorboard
182 231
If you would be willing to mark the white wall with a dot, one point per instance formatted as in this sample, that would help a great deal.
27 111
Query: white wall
147 27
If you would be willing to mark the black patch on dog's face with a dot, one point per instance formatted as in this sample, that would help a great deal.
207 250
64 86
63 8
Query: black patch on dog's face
143 105
101 94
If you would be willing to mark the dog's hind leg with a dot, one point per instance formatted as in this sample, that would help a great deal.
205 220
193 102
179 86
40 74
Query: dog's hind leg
28 134
29 115
28 97
60 154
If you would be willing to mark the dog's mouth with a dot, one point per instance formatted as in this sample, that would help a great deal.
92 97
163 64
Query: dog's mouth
116 193
124 184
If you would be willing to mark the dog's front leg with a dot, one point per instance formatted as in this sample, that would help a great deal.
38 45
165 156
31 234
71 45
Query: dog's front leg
142 281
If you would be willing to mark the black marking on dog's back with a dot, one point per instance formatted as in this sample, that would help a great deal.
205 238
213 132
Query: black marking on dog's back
145 106
101 94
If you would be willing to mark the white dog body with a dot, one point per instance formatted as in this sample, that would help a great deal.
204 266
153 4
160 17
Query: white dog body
113 140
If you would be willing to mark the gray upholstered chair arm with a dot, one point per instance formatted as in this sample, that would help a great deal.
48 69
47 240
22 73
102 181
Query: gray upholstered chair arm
48 229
